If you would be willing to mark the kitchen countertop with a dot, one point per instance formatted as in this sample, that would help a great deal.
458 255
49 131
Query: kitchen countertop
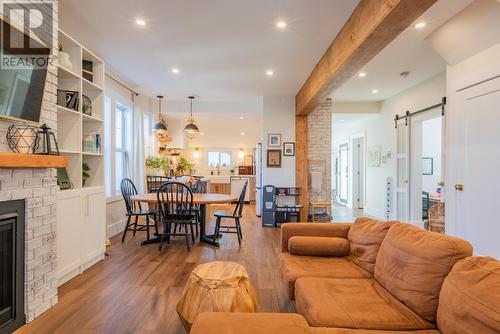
224 178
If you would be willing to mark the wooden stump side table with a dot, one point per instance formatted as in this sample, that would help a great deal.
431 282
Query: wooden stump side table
216 287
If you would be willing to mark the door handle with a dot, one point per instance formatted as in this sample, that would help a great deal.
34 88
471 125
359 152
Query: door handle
441 183
405 181
459 187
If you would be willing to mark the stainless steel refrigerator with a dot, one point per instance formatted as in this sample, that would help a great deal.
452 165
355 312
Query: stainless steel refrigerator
258 179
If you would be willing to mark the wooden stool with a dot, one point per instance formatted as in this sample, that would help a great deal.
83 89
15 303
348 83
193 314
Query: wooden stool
323 205
216 287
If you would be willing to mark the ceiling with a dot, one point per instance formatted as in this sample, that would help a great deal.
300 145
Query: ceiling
222 123
408 52
222 47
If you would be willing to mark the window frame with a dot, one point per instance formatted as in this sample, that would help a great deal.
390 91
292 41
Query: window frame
113 191
219 155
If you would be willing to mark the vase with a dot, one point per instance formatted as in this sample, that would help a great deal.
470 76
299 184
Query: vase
64 60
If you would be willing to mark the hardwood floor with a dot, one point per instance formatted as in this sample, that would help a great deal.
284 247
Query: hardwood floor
136 289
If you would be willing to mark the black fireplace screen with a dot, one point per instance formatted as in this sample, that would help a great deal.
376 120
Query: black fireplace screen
11 266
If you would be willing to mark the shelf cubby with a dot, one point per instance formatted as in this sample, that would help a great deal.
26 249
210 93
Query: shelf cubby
73 125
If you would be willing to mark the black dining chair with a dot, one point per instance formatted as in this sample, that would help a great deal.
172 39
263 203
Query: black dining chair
236 215
154 182
134 209
175 204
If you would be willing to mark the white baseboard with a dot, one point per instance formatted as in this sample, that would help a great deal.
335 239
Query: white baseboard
116 228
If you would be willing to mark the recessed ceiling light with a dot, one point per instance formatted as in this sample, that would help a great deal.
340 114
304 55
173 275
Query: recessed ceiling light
241 117
269 73
281 24
175 70
243 133
420 25
362 74
140 22
375 91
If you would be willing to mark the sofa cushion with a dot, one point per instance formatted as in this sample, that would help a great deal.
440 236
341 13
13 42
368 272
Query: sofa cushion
470 297
293 267
249 323
412 264
329 230
353 303
365 237
318 246
326 330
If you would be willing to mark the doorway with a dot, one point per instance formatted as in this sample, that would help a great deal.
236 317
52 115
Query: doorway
420 162
343 173
357 176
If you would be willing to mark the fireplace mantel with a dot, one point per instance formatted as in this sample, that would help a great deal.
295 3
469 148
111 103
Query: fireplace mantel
16 160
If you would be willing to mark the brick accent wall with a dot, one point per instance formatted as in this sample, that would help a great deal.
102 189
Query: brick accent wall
320 151
38 187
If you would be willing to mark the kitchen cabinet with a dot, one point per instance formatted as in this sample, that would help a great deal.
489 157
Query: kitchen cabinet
220 188
237 183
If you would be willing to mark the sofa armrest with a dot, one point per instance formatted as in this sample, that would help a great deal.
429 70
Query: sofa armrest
289 230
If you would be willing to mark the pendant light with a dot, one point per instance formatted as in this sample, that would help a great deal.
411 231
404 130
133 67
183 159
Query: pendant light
161 126
191 128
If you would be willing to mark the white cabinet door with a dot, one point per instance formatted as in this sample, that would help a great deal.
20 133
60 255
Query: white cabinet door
69 217
93 228
476 167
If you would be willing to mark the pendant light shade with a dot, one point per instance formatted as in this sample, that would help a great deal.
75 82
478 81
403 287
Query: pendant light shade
191 128
161 126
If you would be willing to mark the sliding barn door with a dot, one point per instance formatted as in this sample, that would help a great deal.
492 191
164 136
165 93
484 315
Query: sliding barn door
402 201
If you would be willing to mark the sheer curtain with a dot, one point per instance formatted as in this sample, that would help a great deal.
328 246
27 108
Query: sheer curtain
135 125
138 145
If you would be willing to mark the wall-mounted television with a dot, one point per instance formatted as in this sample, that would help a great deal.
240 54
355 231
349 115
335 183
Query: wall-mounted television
21 87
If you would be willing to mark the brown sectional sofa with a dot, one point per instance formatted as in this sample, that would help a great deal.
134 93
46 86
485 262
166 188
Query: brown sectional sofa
380 278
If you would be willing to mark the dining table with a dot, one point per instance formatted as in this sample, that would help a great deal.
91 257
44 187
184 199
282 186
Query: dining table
201 199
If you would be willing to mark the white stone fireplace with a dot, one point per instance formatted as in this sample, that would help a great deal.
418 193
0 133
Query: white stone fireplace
38 187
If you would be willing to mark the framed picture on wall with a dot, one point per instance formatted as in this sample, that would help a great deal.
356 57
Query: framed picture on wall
274 140
289 149
427 166
274 158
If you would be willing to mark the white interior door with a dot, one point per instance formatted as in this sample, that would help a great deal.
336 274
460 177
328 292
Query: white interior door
473 186
343 173
402 199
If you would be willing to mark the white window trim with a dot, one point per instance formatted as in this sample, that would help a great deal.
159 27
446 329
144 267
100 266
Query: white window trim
111 149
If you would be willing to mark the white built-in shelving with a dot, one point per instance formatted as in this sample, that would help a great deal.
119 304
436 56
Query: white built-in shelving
74 125
81 211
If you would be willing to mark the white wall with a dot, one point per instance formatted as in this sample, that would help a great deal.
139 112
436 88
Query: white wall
379 130
278 116
431 148
201 163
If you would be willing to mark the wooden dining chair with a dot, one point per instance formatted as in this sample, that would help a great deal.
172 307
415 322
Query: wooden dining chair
135 210
236 215
175 204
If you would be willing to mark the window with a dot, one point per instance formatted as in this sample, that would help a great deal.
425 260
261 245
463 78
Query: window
117 144
221 159
120 145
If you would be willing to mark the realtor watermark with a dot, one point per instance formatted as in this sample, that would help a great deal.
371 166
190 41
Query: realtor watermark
26 34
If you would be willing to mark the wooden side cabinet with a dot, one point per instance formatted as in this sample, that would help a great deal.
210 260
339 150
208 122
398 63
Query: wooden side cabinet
220 188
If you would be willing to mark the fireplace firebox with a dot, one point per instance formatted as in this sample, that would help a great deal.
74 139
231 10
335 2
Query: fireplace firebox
12 224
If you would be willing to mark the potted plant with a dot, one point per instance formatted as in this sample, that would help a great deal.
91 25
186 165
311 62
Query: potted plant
184 166
157 165
85 173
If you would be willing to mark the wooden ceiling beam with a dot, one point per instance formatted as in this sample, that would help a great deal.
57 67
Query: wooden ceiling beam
369 29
